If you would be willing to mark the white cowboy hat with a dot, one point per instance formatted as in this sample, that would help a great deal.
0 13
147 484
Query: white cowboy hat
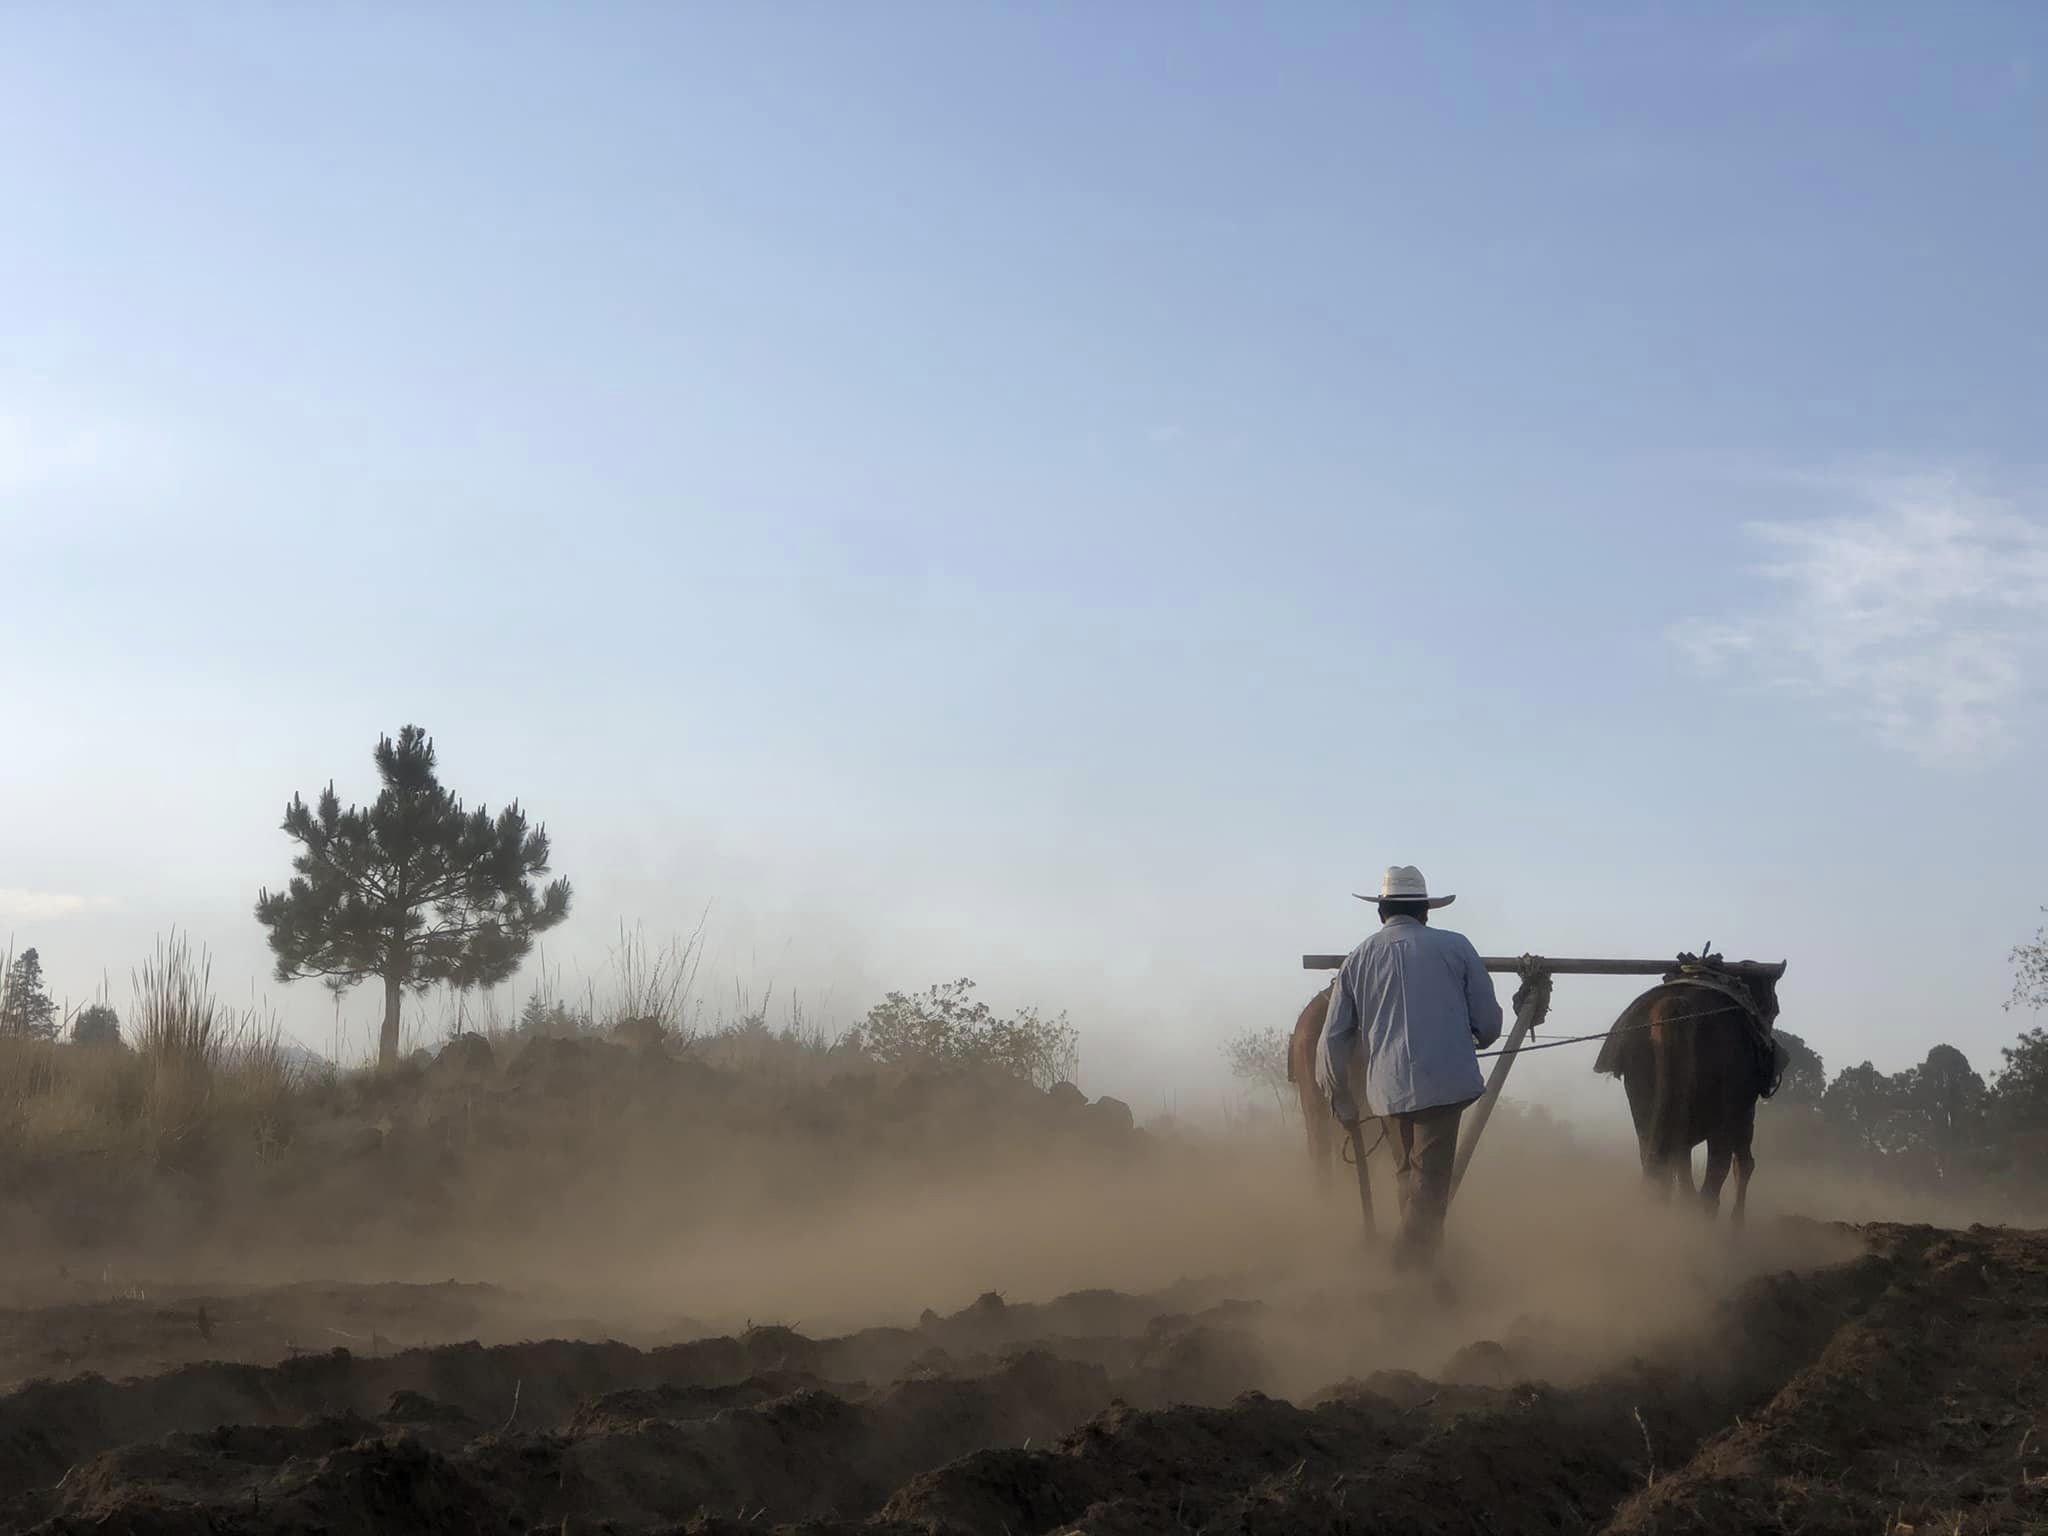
1404 882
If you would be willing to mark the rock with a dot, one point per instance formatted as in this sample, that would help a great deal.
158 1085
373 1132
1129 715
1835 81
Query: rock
1113 1115
554 1061
465 1056
1067 1096
641 1034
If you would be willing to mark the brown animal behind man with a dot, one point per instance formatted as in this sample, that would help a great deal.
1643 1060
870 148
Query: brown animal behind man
1695 1059
1324 1134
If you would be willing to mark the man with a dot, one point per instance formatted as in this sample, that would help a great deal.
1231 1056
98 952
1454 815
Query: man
1418 1003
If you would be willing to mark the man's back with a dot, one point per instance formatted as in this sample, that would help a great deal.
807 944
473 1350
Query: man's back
1417 1002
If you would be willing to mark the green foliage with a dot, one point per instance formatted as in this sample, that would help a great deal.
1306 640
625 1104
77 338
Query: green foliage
1930 1112
1926 1123
1947 1100
1806 1075
2030 973
946 1024
26 1009
96 1025
543 1015
1868 1106
2019 1098
412 889
1258 1059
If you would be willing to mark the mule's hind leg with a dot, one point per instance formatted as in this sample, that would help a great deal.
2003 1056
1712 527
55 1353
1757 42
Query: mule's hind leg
1681 1168
1656 1172
1745 1165
1322 1151
1720 1153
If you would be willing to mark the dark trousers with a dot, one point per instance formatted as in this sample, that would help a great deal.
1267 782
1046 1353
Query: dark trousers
1425 1145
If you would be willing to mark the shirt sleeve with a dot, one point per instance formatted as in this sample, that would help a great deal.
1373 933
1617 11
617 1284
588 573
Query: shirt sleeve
1340 1037
1480 1000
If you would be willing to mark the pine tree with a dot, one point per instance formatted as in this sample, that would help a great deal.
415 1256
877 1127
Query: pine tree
413 889
26 1009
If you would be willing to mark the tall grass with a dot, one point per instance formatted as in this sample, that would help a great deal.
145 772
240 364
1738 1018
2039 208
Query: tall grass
651 984
190 1064
175 1022
194 1069
641 983
195 1053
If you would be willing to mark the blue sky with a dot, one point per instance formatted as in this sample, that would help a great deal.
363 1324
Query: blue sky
1055 494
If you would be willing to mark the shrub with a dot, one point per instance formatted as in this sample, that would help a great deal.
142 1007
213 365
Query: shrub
96 1025
1258 1059
945 1023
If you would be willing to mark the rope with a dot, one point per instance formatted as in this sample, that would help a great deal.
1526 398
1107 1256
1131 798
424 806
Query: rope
1621 1029
1346 1151
1546 1045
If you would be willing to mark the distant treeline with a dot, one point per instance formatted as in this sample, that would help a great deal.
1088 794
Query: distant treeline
1940 1124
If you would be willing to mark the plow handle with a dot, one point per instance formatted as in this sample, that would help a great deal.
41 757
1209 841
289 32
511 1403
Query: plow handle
1357 1137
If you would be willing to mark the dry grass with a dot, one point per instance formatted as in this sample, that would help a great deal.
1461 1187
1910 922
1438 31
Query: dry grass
801 1049
652 984
196 1072
190 1062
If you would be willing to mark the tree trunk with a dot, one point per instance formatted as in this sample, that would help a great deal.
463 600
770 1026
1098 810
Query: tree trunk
387 1043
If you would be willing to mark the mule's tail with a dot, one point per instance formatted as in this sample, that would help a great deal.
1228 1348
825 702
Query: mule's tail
1674 1045
1317 1122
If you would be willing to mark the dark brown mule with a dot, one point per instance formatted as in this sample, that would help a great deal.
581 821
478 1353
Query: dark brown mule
1324 1134
1695 1060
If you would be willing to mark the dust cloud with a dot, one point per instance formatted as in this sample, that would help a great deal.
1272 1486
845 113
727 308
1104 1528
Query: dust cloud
597 1279
832 1210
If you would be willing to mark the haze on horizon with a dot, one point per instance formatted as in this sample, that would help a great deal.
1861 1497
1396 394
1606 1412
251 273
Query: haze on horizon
1052 496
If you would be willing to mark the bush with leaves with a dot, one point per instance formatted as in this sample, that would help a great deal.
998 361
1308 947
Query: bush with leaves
1258 1059
946 1023
2019 1097
1806 1075
96 1025
552 1017
2030 973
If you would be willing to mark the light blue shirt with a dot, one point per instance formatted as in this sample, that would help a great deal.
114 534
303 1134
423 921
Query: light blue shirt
1419 1003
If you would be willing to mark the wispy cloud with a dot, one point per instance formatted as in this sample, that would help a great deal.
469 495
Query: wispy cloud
1922 614
43 905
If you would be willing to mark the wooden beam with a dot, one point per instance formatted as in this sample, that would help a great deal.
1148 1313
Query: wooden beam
1511 964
